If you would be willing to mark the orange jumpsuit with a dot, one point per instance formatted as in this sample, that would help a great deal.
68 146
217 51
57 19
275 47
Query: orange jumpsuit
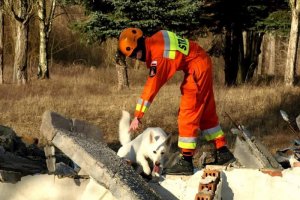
167 53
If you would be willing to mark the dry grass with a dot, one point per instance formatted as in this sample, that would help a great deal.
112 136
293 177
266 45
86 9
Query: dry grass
91 95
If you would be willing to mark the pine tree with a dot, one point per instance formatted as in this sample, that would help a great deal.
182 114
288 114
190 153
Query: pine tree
108 18
188 18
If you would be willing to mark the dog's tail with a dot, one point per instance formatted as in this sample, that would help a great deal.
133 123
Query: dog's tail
124 135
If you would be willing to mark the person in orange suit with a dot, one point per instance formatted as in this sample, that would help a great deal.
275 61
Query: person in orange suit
164 54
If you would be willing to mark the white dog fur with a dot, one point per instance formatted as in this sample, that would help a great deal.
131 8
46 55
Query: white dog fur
153 143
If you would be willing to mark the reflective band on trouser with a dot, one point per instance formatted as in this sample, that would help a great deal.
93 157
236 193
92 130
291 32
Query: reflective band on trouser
187 142
213 133
174 43
142 105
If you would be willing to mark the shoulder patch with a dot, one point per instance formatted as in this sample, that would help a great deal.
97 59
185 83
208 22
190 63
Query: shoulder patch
152 72
153 65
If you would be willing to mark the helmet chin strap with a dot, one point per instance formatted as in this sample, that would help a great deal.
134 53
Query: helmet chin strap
142 46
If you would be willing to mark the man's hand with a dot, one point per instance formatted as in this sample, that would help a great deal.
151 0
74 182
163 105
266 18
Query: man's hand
134 124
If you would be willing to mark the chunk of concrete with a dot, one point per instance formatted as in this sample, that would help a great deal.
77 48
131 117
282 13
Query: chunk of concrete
246 156
102 163
86 130
51 122
82 143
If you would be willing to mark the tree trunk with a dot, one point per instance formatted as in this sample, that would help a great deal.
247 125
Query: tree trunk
233 39
21 51
289 77
43 64
249 59
45 24
121 68
261 55
21 11
122 77
272 51
254 52
1 41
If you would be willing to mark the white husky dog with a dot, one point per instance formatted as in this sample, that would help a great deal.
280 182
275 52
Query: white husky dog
153 143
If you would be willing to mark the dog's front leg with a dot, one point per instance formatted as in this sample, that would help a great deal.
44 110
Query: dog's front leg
144 163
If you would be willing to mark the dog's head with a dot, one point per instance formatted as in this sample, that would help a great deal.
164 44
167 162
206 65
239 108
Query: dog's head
159 146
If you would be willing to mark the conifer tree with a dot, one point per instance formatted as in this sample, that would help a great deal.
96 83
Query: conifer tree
187 18
108 18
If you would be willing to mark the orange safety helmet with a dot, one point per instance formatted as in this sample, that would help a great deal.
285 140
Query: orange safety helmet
128 40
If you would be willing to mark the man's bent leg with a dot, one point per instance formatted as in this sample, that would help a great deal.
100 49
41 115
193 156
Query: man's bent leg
212 131
188 126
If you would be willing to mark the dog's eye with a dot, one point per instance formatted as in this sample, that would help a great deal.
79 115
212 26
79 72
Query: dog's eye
162 153
154 152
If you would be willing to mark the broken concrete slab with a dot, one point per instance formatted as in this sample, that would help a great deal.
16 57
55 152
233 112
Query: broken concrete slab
104 166
94 157
243 153
52 121
253 154
86 130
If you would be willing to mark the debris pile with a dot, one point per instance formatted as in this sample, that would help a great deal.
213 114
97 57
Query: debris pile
290 154
76 153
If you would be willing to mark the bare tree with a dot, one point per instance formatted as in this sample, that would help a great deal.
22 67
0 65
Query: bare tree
45 24
289 76
21 11
1 41
121 67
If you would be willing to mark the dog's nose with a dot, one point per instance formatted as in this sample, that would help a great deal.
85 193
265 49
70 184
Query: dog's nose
157 163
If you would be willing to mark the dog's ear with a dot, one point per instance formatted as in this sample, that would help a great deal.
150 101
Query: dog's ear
151 138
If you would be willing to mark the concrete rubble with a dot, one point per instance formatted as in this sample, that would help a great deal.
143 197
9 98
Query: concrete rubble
82 143
81 166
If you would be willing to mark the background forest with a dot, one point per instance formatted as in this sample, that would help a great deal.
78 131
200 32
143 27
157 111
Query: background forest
60 55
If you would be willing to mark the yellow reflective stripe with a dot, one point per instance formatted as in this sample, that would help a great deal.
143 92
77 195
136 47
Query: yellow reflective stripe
138 107
212 136
142 105
172 54
185 145
178 43
174 43
144 109
141 108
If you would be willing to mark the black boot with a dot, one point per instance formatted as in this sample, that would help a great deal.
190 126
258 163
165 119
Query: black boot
184 166
224 156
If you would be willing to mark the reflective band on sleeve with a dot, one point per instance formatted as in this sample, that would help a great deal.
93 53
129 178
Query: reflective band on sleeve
187 142
167 44
174 43
212 133
142 105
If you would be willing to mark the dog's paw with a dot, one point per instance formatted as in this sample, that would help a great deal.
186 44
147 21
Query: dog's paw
147 170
